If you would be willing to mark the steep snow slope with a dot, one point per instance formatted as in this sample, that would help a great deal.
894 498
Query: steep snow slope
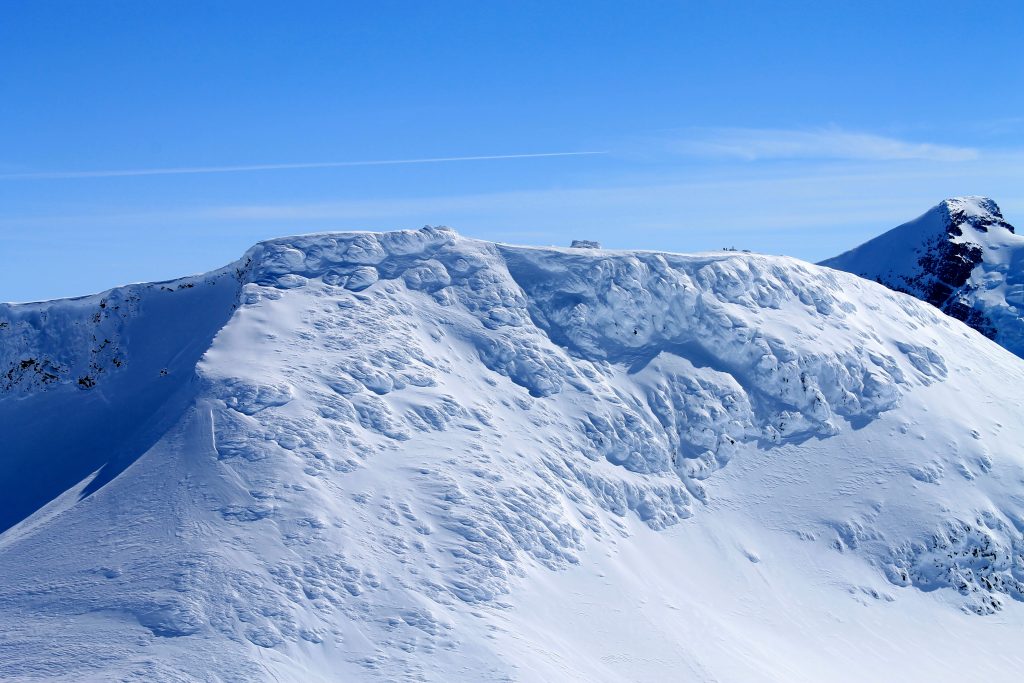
417 456
960 256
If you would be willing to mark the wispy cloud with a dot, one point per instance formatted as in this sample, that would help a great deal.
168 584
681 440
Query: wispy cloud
188 170
729 196
810 210
755 144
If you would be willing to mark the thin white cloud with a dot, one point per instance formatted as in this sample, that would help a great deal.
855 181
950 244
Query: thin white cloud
122 173
808 209
730 197
756 144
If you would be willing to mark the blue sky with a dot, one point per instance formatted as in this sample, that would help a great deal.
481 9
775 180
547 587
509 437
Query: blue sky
796 128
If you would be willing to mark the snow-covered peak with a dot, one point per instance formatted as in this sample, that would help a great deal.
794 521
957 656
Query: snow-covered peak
413 455
962 257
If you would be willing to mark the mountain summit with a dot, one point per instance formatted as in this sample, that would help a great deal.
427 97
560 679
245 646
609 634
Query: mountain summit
962 257
415 456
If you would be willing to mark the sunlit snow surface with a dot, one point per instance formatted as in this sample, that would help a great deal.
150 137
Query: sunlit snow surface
416 456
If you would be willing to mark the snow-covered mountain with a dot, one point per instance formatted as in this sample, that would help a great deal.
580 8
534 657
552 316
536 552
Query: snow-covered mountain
960 256
414 456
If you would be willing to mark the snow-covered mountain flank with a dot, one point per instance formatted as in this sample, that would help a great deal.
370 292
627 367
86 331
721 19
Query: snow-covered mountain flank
962 257
415 456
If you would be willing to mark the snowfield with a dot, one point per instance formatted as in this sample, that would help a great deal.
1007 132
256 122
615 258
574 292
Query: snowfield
415 456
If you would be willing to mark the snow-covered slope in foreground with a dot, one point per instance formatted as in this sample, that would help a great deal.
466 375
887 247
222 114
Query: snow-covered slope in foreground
416 456
960 256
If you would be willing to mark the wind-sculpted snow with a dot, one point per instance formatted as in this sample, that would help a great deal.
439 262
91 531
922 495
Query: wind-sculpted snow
630 308
395 437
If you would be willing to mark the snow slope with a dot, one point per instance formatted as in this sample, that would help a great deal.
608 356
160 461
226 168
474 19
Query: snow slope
414 456
960 256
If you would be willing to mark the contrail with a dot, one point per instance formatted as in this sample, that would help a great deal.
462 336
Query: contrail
61 175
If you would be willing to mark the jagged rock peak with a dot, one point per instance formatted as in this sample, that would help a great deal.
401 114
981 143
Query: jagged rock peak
981 213
962 257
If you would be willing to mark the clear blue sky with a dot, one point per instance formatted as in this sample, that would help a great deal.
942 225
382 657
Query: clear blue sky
798 128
